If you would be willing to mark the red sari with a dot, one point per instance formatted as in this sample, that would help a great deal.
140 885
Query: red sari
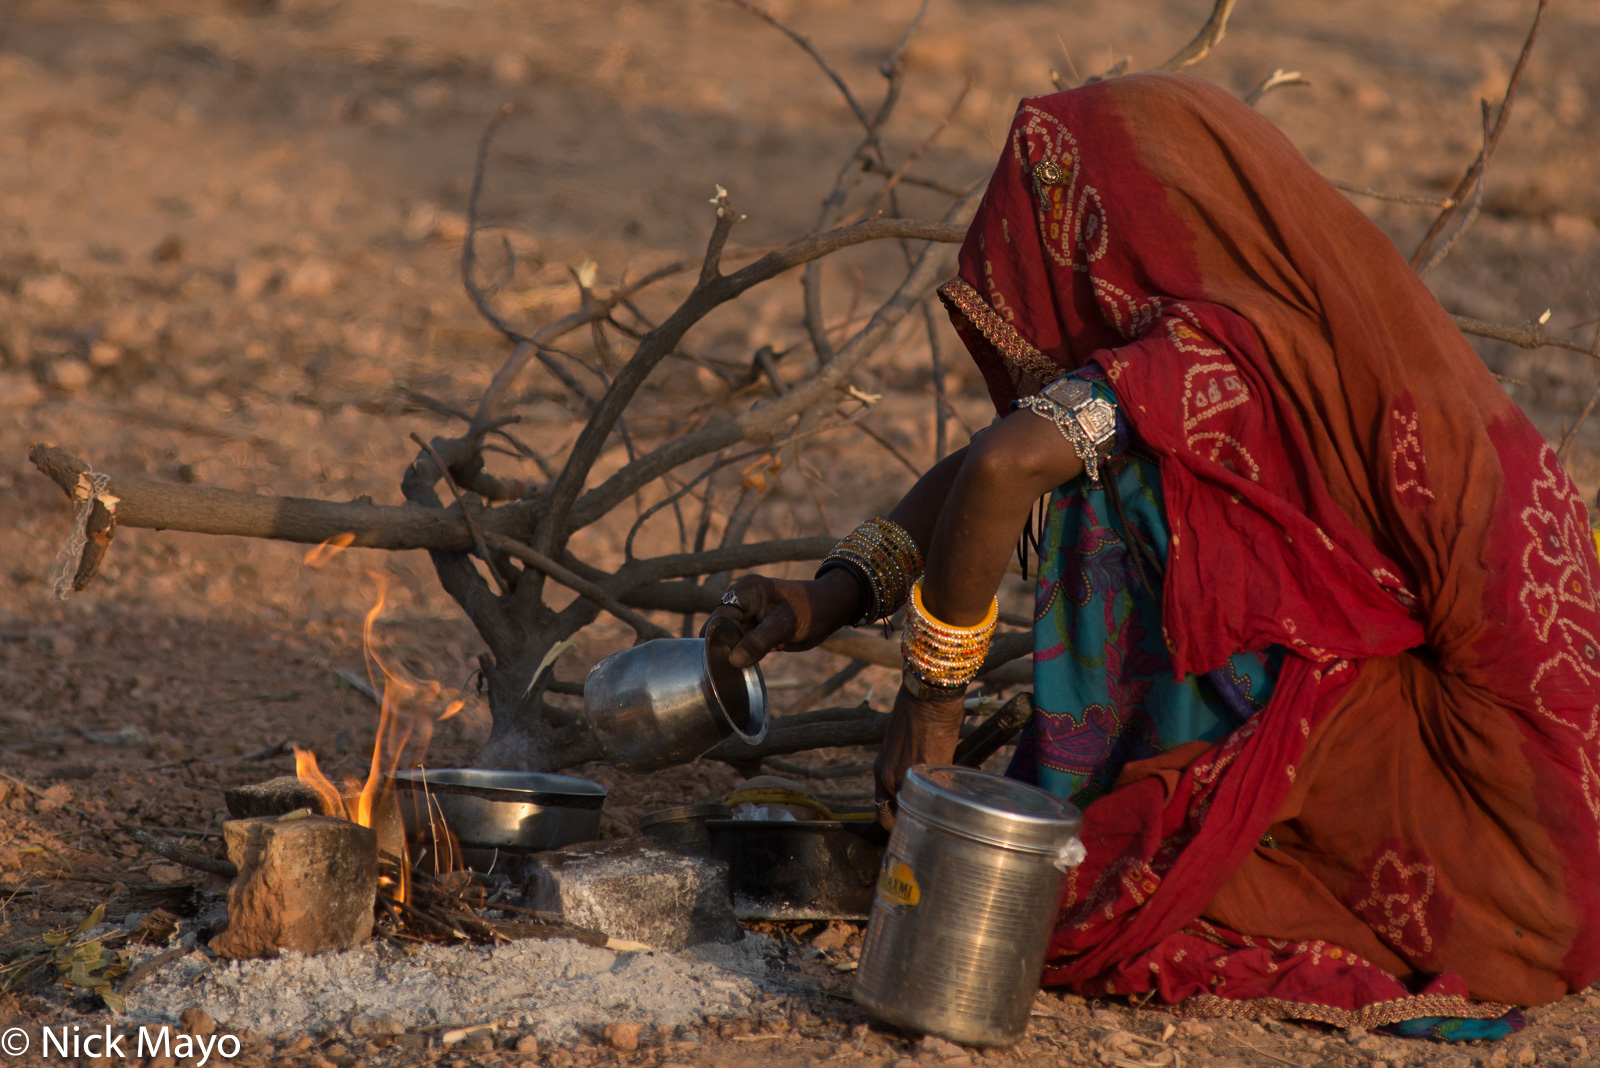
1411 828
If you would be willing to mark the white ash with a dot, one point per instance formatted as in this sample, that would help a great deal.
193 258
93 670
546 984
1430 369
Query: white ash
544 988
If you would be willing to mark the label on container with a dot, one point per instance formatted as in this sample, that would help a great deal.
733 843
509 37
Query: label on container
897 886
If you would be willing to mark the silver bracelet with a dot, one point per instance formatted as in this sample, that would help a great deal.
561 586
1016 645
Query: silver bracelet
1089 423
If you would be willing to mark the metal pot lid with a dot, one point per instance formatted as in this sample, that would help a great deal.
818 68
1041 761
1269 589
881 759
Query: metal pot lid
680 813
990 808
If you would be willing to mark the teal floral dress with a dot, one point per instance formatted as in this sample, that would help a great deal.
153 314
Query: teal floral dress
1104 691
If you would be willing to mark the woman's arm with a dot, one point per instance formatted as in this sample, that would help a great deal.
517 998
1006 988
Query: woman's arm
800 615
1004 472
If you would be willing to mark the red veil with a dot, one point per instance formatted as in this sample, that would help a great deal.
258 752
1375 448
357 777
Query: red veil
1342 477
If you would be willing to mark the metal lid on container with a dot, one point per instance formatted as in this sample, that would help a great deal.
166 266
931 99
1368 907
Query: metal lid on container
684 814
989 808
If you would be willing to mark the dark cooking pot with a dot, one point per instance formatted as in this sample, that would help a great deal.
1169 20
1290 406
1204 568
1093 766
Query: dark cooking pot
800 869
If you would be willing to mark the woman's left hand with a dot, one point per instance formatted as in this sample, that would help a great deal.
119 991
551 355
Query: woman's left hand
920 732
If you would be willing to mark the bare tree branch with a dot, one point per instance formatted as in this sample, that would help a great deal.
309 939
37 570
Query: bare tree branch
1424 199
1474 172
1530 336
1278 79
581 586
1209 36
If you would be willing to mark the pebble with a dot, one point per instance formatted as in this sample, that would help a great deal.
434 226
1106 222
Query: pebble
527 1044
623 1037
71 374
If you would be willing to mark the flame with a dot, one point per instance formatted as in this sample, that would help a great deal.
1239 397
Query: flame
321 554
405 723
306 770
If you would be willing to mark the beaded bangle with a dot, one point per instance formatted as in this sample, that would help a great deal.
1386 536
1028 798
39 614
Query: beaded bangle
881 554
941 656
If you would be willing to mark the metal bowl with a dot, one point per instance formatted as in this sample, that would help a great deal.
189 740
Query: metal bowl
519 810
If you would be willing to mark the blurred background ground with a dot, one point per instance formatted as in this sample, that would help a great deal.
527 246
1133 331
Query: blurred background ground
229 241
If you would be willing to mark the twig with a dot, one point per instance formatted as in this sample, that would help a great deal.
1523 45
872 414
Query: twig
827 687
579 585
150 967
1583 416
1470 179
1209 36
844 771
1278 79
504 582
872 166
179 855
899 173
1425 199
1473 206
811 50
1531 336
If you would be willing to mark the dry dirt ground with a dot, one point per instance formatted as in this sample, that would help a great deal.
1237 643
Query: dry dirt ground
228 249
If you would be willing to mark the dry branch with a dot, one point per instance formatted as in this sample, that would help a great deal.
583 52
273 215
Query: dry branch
1209 36
1475 171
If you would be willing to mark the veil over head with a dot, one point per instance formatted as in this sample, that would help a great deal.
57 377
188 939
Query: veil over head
1342 477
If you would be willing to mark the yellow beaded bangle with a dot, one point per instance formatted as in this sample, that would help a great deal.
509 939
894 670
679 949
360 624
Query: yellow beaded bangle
939 654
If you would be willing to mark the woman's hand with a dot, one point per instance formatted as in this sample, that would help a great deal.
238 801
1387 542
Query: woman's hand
920 732
788 615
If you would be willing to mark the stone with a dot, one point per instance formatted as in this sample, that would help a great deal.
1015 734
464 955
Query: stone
54 291
528 1044
312 278
70 374
632 890
19 390
623 1037
285 794
196 1021
834 936
167 874
306 884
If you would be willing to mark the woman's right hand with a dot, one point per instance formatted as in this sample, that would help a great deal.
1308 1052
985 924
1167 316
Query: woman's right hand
788 615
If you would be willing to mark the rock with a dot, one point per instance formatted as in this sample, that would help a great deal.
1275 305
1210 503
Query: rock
834 936
104 353
275 797
528 1044
938 1050
1525 1055
380 1024
19 390
630 889
304 884
280 796
70 374
167 874
250 280
312 278
196 1021
623 1037
54 291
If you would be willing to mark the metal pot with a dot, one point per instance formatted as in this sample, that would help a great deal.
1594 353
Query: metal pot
966 900
799 869
522 811
671 700
682 828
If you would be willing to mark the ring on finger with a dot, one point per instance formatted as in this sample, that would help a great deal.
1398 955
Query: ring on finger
730 597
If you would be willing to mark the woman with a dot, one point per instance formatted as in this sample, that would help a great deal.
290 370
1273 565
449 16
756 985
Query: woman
1316 634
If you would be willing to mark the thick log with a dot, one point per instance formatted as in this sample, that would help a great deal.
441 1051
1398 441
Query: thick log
805 731
202 510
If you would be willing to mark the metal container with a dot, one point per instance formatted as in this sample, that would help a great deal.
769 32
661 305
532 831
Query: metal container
671 700
682 829
520 811
966 899
800 869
